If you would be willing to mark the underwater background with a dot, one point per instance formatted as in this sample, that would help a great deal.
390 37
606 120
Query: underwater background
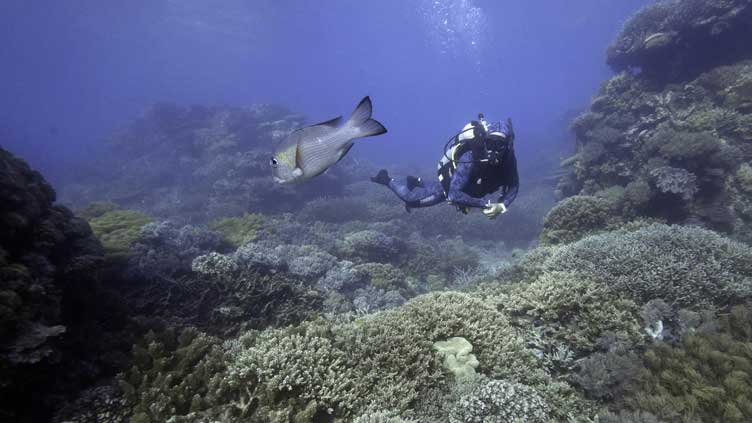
151 269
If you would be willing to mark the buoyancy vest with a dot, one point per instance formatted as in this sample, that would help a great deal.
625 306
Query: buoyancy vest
489 154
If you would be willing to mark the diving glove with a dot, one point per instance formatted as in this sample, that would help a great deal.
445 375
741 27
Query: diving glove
492 210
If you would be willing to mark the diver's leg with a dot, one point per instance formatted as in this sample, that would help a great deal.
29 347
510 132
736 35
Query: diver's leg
428 194
414 192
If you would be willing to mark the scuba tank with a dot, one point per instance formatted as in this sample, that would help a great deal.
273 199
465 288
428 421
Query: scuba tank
475 137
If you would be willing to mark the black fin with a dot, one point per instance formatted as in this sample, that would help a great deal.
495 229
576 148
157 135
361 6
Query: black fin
361 119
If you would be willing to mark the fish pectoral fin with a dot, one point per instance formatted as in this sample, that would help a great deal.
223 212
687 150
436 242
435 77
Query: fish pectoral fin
298 172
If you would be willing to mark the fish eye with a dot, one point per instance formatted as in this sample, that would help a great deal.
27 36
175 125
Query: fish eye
273 162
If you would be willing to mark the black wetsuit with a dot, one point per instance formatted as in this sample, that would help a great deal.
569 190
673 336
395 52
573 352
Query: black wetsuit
470 182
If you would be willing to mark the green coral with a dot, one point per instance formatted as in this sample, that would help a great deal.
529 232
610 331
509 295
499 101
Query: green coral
576 217
744 177
174 374
576 311
382 276
706 377
239 230
118 229
686 266
96 209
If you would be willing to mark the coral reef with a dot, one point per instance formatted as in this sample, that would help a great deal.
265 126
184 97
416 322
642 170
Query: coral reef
117 230
675 136
502 402
173 374
48 260
576 217
575 310
239 230
685 266
385 360
706 377
677 38
166 250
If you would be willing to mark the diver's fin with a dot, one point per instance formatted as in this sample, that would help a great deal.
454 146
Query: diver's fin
331 122
361 120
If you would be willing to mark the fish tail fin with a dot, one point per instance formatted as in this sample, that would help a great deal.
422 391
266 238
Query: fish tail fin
361 121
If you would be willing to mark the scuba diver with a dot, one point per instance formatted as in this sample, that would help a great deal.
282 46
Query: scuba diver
477 161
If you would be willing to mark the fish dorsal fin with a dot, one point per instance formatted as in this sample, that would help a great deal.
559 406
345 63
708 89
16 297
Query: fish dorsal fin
331 122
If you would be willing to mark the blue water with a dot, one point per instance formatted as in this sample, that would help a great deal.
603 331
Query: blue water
71 72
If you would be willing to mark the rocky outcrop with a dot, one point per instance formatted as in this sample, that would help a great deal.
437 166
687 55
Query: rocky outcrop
678 39
678 150
46 260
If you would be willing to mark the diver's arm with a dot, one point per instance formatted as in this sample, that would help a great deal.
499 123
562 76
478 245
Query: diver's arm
511 178
460 179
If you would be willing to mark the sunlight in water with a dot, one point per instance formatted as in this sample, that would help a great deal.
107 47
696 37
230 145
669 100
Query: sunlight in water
455 27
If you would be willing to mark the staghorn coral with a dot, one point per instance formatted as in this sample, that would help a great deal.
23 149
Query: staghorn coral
685 266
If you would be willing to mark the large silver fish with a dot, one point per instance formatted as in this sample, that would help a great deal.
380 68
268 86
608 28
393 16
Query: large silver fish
310 151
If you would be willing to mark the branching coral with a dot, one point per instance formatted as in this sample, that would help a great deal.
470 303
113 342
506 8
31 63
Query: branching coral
384 360
174 374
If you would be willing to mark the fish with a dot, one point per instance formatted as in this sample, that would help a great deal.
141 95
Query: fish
312 150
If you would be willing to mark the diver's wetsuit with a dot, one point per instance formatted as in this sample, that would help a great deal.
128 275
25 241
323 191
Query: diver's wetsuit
431 193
